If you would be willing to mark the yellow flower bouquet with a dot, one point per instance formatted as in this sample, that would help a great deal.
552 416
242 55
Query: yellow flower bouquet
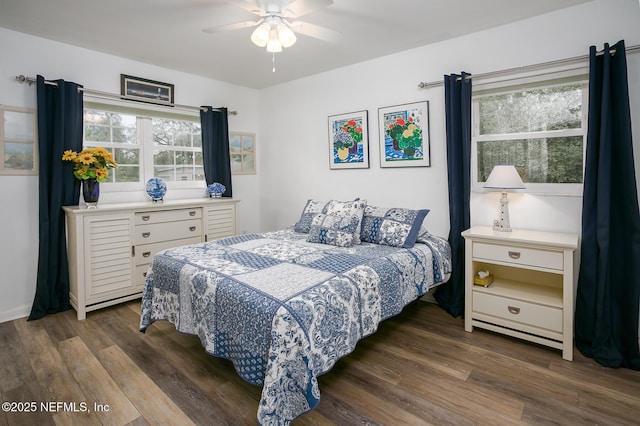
91 163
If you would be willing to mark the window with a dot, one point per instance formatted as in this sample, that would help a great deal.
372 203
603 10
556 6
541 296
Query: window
539 128
116 132
18 141
146 144
177 150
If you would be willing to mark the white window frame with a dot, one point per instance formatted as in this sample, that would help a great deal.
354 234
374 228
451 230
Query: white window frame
144 133
148 159
547 79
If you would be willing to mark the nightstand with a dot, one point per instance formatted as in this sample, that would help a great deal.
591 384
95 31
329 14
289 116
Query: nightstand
531 296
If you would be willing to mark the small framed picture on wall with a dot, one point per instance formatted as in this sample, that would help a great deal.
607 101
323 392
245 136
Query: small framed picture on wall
144 90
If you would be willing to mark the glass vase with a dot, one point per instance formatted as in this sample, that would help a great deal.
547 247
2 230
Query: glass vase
90 192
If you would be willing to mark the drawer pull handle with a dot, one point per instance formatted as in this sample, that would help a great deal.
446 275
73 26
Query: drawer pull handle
514 254
144 274
192 213
192 228
146 254
146 218
146 234
513 310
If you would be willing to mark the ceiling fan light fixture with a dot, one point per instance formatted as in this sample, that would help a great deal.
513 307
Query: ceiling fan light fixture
274 45
286 35
260 35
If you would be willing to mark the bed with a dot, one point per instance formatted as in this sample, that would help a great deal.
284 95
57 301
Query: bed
284 306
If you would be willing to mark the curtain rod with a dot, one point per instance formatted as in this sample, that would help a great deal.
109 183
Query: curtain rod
30 80
631 49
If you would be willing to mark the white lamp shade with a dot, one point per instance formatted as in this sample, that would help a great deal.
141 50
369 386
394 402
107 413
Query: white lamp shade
260 35
504 177
274 33
274 45
286 36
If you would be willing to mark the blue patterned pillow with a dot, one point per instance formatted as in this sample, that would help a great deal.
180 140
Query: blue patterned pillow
347 209
312 208
333 230
392 226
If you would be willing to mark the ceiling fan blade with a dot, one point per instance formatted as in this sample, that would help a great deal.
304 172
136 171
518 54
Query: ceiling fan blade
315 31
236 26
252 6
298 8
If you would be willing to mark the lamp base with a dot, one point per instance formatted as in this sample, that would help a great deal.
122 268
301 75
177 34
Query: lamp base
503 224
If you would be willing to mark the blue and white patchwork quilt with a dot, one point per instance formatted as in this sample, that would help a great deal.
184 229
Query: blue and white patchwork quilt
284 310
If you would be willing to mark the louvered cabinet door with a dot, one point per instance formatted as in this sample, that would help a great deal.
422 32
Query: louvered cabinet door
220 220
108 263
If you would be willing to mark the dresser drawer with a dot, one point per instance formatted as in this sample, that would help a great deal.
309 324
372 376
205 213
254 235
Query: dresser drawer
546 317
156 232
519 255
139 276
145 252
143 218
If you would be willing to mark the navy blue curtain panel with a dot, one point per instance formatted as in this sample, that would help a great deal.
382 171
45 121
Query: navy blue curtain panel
457 91
215 147
59 129
609 279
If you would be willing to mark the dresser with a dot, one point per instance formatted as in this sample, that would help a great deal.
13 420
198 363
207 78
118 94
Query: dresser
531 293
111 247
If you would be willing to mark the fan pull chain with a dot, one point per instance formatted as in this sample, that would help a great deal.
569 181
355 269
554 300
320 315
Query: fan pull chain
273 61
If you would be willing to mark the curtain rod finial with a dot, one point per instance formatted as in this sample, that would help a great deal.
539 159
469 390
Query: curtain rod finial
23 79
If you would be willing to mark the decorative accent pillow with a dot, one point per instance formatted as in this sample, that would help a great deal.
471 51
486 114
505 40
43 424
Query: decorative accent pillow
347 209
334 230
312 208
392 226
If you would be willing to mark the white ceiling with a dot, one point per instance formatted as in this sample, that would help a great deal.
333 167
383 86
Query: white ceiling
168 33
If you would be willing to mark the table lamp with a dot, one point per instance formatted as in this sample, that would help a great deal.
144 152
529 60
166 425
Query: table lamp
503 177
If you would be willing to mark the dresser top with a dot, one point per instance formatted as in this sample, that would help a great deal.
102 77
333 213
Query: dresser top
522 236
148 205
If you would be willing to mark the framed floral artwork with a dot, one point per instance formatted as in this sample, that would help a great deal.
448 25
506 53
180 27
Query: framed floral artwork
349 141
404 135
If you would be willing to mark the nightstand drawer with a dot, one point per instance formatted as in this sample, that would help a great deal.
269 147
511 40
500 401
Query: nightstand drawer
532 314
519 255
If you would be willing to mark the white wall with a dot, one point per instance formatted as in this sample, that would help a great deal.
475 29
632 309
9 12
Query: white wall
296 165
23 54
291 123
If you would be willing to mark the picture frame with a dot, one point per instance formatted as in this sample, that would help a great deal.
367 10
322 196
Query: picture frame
349 140
18 141
404 135
145 90
242 150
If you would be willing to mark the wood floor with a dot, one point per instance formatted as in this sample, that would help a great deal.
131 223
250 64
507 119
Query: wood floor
419 368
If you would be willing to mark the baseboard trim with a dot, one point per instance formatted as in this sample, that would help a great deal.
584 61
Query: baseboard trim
15 313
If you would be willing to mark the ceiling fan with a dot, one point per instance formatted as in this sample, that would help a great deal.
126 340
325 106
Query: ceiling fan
274 28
